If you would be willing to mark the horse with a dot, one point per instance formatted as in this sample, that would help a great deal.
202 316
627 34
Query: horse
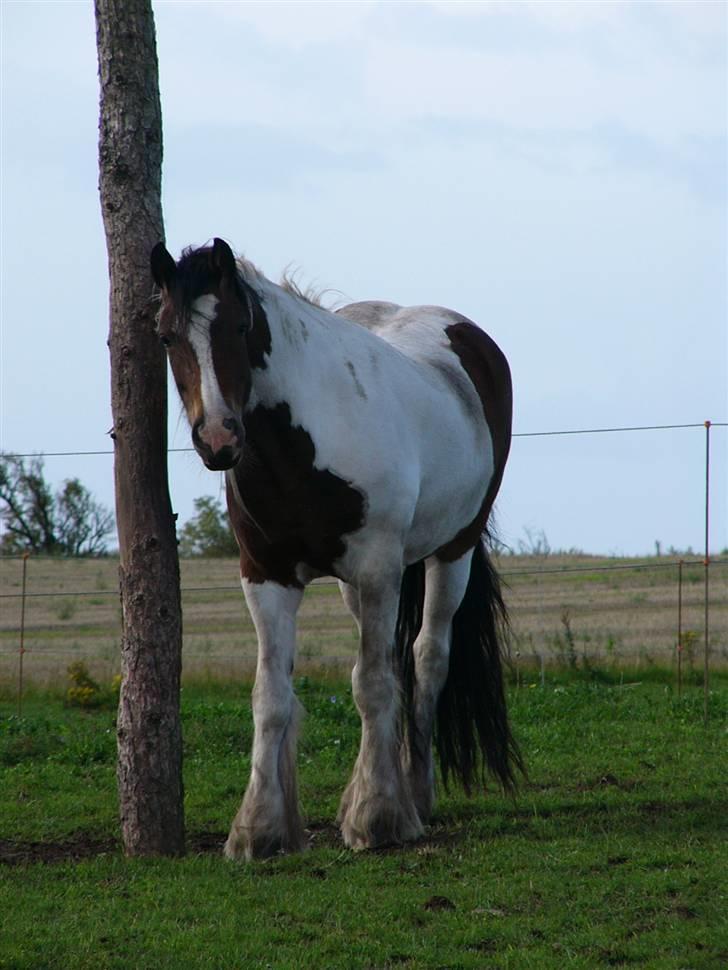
366 444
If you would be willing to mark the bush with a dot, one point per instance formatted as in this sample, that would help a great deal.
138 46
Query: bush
87 693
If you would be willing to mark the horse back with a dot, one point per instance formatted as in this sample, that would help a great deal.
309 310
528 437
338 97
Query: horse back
468 359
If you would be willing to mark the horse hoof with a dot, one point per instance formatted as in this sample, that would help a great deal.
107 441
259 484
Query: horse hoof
376 823
245 846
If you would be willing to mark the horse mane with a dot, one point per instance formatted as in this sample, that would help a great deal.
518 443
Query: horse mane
309 294
194 276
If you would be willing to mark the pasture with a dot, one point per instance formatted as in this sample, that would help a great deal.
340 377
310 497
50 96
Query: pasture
602 611
612 854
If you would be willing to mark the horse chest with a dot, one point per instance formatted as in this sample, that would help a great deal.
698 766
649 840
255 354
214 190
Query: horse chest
283 509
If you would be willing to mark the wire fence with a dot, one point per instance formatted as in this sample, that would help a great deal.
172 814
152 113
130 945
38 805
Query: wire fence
516 434
591 614
576 612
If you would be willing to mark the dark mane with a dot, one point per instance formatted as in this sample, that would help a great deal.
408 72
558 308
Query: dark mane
196 276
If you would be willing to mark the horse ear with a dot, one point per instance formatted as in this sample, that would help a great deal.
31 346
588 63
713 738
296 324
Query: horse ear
164 268
223 259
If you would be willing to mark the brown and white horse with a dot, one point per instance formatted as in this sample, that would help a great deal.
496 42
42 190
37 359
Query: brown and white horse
367 444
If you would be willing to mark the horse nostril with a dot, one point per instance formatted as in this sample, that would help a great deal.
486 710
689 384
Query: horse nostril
232 424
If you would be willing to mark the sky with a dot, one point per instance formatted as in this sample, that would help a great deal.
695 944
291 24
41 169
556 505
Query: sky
555 171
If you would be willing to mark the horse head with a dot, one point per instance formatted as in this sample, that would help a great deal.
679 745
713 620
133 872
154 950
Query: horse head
205 314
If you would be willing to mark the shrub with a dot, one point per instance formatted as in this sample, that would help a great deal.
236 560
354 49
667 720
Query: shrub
87 693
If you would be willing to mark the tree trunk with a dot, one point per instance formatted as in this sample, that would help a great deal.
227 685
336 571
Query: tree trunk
130 168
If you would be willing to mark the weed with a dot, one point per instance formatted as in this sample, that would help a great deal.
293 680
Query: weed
689 644
564 644
86 692
611 648
66 609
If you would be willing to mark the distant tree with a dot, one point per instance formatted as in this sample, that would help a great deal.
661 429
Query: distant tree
69 523
209 532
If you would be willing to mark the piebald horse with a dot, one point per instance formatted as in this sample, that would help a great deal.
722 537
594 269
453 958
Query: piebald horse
369 445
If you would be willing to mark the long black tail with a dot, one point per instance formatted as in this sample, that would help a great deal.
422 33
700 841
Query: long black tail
472 733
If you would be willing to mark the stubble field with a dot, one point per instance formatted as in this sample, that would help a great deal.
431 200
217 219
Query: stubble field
565 611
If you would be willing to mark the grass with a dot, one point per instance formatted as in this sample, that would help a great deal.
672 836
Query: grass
613 854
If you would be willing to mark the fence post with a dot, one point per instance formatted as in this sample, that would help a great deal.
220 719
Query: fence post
679 626
21 649
706 658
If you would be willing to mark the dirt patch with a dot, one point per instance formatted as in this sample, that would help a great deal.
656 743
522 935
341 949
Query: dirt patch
439 904
202 843
81 846
73 849
607 781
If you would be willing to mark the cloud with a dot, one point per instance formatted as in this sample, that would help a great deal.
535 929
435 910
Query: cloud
214 71
697 17
697 162
296 25
564 13
539 90
261 156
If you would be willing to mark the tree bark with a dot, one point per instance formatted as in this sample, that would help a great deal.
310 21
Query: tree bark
130 166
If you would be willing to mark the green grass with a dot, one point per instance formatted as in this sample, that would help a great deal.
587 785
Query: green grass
613 853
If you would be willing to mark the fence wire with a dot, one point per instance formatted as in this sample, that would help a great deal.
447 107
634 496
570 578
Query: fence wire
516 434
593 611
625 621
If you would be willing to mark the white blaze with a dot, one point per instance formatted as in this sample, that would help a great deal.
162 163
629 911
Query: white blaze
203 312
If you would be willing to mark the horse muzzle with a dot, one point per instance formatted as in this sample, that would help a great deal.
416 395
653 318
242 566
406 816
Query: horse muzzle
219 444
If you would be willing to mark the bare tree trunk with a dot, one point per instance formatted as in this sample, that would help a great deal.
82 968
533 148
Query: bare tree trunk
130 166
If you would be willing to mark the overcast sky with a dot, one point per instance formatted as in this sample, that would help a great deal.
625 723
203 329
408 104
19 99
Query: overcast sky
555 171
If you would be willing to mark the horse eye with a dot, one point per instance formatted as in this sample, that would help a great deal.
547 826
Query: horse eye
165 339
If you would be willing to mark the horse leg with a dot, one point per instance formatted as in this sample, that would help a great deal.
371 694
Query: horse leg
350 596
377 807
269 820
445 585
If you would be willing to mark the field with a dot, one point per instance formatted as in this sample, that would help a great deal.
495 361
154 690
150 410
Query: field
613 854
566 611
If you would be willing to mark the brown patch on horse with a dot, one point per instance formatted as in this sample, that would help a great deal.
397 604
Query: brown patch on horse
230 354
487 368
182 358
285 511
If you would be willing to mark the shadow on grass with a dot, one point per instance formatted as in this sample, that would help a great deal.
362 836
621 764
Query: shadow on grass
564 818
567 817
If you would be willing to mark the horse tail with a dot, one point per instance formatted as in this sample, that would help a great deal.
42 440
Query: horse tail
409 624
472 731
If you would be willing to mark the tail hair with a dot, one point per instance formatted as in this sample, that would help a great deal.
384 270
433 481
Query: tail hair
473 737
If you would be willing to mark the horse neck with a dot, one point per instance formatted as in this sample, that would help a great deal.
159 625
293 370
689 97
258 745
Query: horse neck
301 344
